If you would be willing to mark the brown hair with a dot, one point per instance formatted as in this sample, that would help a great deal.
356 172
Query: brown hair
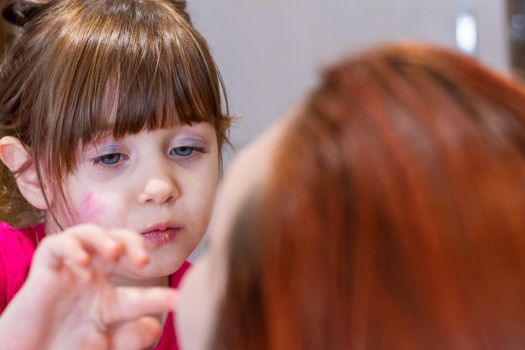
78 69
394 216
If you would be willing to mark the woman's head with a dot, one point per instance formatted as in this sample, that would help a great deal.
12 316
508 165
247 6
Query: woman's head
389 215
81 70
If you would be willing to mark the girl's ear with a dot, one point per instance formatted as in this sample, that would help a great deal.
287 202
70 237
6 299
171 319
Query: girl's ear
15 156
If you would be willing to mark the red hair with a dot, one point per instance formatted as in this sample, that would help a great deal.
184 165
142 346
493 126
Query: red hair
394 217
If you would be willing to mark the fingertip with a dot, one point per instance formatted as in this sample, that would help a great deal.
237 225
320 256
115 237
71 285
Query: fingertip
172 299
142 259
155 327
83 258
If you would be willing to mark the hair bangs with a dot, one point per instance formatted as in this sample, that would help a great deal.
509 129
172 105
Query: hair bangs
156 93
145 75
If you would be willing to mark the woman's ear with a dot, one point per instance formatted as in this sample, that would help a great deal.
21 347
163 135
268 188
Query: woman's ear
15 156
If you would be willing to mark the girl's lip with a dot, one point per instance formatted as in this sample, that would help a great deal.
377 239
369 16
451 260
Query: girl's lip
160 227
163 236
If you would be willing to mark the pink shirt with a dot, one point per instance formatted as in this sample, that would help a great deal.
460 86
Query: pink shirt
169 338
17 247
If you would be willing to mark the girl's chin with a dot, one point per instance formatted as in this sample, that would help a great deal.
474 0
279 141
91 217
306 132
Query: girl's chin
156 272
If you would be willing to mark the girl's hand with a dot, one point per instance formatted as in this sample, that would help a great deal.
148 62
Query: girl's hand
69 302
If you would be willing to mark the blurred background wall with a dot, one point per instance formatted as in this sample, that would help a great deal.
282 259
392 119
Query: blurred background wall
270 51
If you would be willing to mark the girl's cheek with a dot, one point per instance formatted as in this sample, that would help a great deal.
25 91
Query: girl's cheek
90 209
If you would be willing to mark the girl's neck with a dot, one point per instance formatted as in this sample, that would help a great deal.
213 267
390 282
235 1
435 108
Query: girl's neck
158 282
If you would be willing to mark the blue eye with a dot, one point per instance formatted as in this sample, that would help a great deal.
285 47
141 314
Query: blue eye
109 159
184 151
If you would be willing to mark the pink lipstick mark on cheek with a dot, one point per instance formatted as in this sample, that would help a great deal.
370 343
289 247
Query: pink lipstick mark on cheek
90 209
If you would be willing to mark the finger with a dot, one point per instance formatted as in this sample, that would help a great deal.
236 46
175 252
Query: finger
97 241
56 248
134 245
138 334
133 302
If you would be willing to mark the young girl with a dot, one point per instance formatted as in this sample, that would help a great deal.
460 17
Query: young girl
110 114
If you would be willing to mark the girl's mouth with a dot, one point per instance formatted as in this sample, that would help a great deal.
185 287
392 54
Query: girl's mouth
162 236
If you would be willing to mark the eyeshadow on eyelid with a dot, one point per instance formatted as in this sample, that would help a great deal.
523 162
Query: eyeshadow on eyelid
191 142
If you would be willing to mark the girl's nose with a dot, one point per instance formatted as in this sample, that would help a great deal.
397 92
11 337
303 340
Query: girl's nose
158 190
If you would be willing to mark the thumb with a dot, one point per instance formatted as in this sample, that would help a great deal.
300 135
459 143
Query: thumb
139 334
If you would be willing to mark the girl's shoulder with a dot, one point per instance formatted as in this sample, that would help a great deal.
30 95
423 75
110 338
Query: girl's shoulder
17 246
25 238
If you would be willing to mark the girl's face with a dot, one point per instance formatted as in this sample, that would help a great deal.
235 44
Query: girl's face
160 184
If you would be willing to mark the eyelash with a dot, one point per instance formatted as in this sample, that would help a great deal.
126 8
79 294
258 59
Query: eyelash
192 150
100 161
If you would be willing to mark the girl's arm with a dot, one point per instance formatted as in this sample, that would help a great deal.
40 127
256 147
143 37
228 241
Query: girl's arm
69 302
